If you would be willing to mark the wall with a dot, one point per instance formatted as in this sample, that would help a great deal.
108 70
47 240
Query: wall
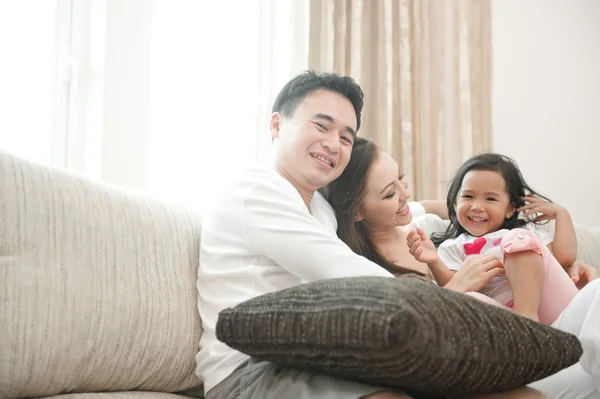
546 97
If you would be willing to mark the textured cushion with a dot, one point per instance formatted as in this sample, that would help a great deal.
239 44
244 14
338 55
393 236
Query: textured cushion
398 332
97 287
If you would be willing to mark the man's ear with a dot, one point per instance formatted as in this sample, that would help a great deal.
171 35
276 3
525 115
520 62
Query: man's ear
275 124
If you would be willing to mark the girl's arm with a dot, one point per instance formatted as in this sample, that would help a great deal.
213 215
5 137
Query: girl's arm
423 250
564 246
441 272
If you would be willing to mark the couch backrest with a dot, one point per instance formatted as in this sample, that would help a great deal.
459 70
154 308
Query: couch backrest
97 286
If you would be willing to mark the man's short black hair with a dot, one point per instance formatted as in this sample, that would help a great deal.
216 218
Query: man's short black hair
292 94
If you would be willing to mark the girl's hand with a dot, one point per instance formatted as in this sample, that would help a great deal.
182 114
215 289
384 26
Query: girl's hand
421 247
535 204
476 272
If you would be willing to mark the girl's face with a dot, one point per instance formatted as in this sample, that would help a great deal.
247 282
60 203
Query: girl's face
482 203
385 202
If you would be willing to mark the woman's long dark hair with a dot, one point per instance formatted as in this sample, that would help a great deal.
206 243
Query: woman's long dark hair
516 186
346 194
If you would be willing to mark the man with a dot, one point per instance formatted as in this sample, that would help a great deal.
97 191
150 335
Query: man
271 230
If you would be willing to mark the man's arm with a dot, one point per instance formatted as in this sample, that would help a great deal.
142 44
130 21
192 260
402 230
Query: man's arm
278 226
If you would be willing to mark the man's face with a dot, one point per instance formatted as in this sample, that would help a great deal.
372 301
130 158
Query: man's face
314 144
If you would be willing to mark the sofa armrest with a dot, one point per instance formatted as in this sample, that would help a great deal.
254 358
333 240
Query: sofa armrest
98 286
588 245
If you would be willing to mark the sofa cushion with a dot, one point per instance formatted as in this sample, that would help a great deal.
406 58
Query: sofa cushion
588 245
401 333
98 287
120 395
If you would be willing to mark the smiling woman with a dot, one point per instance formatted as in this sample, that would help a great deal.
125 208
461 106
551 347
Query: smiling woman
371 202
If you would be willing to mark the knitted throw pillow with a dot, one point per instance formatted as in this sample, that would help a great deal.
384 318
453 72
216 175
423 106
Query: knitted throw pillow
400 333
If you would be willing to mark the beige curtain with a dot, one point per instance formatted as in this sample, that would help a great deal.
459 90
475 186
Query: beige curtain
425 68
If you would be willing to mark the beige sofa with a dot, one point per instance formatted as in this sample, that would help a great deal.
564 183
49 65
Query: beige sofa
98 288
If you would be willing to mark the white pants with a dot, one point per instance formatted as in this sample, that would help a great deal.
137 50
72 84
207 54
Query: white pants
581 318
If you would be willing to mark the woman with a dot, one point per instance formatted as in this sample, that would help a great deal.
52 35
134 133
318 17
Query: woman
373 218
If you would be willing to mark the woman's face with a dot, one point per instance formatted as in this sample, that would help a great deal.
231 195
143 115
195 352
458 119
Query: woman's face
385 204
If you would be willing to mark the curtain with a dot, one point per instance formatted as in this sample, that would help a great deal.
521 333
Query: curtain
31 78
425 68
174 97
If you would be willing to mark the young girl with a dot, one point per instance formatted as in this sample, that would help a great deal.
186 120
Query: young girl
484 203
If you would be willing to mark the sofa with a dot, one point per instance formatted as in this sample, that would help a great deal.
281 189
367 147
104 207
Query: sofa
98 295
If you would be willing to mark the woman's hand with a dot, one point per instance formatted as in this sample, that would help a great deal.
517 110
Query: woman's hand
581 274
476 272
547 210
421 247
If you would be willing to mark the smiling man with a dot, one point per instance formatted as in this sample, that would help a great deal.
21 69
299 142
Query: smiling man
272 230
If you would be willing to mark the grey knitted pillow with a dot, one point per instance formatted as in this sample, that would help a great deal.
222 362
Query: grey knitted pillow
400 333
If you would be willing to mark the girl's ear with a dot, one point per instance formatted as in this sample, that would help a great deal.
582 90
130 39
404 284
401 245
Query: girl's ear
358 217
510 212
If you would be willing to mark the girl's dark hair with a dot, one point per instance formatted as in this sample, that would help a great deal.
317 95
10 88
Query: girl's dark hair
346 194
516 187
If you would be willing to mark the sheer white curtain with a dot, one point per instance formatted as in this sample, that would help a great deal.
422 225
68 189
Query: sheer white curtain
203 106
169 97
28 78
175 95
215 70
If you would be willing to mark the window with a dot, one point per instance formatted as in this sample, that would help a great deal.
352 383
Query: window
203 97
35 78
